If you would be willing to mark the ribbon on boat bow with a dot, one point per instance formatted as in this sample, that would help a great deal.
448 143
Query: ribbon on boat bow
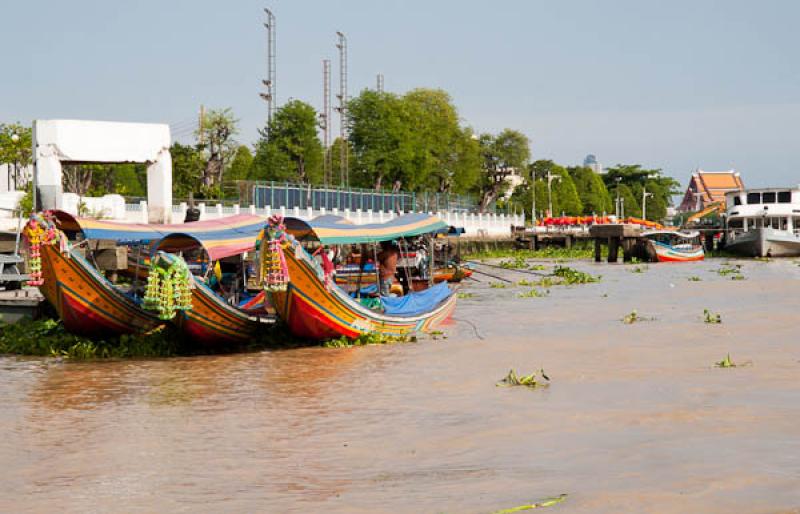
274 272
41 229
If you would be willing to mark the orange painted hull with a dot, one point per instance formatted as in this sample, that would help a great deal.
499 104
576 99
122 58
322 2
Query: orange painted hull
312 311
87 303
212 321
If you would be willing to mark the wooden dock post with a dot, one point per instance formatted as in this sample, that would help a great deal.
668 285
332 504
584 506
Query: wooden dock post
598 250
615 236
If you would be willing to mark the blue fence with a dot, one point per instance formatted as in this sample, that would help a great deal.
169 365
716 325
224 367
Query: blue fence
288 195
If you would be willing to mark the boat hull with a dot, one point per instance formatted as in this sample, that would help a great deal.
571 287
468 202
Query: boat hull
87 303
765 242
671 254
312 311
211 321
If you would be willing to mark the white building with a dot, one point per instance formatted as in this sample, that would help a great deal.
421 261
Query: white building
591 162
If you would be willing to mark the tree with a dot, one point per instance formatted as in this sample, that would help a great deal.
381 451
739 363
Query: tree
591 190
381 139
241 164
188 166
636 178
216 136
630 205
292 149
502 155
16 150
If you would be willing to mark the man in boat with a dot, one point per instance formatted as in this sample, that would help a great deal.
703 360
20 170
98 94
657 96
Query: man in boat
387 266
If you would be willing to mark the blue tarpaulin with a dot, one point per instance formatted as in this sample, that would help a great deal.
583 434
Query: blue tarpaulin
416 303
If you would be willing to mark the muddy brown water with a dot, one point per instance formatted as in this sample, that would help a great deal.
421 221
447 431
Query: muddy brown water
636 419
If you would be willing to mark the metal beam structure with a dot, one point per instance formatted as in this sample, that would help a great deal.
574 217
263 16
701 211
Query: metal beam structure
269 83
325 120
344 172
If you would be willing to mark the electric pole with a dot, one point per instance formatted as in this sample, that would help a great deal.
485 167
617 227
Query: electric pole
379 85
344 172
269 83
325 121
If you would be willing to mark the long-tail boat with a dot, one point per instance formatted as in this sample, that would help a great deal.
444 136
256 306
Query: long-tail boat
211 319
87 303
672 246
307 299
91 305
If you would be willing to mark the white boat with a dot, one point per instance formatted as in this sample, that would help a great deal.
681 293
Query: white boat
763 222
673 246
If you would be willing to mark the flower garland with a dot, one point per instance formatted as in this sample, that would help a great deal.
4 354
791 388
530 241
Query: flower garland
168 287
274 272
38 231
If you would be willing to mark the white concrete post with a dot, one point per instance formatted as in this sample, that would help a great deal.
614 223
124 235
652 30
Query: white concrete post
252 209
159 188
236 209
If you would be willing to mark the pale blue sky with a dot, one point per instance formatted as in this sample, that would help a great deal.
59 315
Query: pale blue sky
669 84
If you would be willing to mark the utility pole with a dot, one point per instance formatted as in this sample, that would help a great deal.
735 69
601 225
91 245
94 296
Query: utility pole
550 179
617 204
269 83
379 85
201 123
533 199
344 172
326 120
645 194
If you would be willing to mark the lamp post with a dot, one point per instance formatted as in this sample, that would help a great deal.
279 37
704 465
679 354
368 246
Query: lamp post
533 200
15 141
550 179
617 203
645 194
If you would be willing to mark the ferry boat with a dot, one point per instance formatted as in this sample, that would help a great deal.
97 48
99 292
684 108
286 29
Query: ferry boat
763 222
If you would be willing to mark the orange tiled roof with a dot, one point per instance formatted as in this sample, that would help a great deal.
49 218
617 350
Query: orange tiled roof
712 186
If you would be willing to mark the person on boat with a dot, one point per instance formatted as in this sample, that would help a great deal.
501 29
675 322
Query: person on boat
387 266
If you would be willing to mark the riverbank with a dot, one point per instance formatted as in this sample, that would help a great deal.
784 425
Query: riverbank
636 415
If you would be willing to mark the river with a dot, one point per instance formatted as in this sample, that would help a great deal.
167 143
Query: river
636 418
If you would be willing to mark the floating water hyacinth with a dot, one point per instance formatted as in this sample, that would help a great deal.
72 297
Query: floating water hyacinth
547 502
524 380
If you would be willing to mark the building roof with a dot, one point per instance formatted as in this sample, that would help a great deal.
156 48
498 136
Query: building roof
711 186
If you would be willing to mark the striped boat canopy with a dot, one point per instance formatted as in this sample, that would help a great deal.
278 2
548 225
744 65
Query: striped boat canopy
337 230
221 237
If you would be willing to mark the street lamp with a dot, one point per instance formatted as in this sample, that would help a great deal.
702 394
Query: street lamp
550 179
617 204
15 140
645 194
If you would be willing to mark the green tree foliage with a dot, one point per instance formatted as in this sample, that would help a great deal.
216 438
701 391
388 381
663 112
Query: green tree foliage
188 165
216 136
636 179
241 164
591 190
15 148
413 141
382 140
292 150
563 191
502 155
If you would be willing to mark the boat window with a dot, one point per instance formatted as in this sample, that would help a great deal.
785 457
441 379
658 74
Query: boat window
784 197
768 197
737 200
784 223
735 223
753 198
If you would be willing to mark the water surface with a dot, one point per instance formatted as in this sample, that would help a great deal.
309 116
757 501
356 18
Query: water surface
637 419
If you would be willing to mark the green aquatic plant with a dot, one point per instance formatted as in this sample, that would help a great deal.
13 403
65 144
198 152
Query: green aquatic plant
534 293
577 251
526 283
694 278
728 269
738 276
369 339
525 380
519 262
711 317
498 285
631 318
571 276
639 269
546 282
726 362
547 502
537 267
466 295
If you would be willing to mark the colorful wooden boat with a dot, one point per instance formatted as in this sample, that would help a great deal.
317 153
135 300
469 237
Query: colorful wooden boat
672 246
210 320
87 303
314 307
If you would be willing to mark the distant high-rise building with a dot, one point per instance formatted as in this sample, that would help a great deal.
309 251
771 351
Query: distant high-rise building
591 162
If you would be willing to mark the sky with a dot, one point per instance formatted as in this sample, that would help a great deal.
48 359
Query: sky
674 85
